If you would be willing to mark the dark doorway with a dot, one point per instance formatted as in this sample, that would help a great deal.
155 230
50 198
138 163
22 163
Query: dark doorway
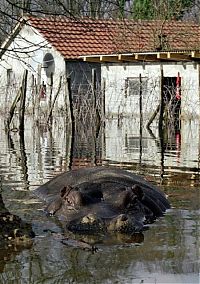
172 100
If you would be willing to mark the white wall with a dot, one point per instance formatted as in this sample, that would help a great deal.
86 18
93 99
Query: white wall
30 48
115 75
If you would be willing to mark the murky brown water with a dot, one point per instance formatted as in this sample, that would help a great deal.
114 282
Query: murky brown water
166 253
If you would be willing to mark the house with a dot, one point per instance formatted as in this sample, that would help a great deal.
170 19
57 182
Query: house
123 61
162 55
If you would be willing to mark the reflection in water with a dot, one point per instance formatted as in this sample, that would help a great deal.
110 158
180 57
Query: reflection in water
166 256
169 252
170 154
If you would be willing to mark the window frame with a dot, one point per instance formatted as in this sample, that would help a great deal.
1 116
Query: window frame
127 86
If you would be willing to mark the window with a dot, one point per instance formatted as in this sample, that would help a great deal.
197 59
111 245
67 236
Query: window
133 86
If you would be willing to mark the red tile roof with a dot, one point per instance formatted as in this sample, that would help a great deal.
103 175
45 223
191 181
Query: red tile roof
76 37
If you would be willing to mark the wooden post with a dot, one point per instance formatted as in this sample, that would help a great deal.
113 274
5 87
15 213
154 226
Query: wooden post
198 68
199 125
94 84
12 109
97 119
50 96
73 123
199 155
103 90
1 189
9 73
53 103
94 88
33 93
11 144
70 102
66 99
160 125
141 117
67 122
24 167
22 102
103 115
68 145
94 78
153 116
38 91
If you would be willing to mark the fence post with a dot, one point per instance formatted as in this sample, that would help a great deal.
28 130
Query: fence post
22 101
160 125
54 101
12 109
141 116
38 90
73 123
50 96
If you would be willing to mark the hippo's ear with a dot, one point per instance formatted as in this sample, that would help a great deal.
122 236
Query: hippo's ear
65 190
138 191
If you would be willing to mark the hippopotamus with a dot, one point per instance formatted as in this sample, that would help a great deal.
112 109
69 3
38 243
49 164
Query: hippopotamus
103 199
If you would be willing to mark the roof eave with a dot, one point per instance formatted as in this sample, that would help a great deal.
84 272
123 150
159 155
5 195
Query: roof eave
148 56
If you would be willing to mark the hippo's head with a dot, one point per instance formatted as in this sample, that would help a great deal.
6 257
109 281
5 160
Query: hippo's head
103 199
83 213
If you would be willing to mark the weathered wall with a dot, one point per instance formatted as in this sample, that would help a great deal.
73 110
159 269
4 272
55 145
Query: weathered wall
115 75
27 52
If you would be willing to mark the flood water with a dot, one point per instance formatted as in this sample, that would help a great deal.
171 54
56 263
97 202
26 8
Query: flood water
166 253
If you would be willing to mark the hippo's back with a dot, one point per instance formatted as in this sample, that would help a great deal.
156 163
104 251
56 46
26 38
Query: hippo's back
94 175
